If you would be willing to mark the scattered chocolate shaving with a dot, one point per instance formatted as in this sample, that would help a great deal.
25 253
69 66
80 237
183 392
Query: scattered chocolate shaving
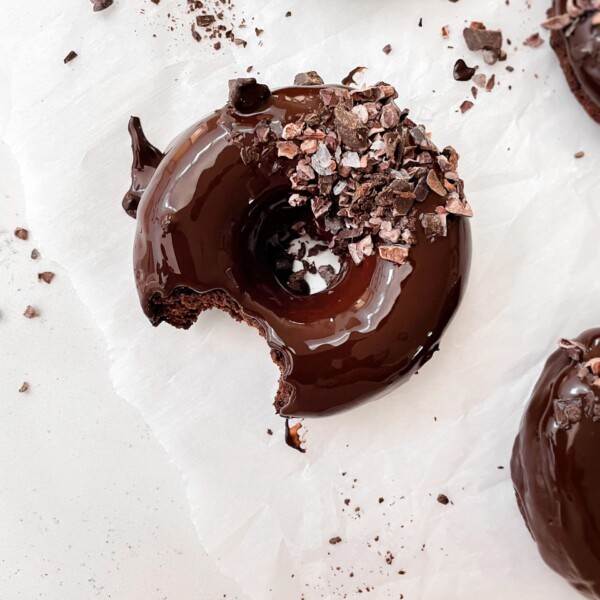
489 86
69 57
465 106
446 32
579 154
24 387
269 432
102 4
533 41
288 13
462 72
46 277
35 254
246 95
30 312
308 78
258 31
443 499
21 233
480 80
387 49
335 540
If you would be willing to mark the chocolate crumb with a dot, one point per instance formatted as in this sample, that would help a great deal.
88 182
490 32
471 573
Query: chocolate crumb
381 500
69 57
533 41
21 233
489 86
269 432
462 72
288 13
30 312
292 436
35 254
24 387
246 95
579 154
443 499
349 79
478 37
335 540
258 31
465 106
327 273
387 49
102 4
46 276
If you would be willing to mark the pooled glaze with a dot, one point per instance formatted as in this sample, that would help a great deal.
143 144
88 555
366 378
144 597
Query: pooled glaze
556 472
583 49
206 222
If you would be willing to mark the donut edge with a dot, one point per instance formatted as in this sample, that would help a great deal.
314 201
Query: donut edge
182 307
558 44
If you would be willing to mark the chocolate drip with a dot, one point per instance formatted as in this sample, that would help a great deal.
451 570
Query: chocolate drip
555 465
146 159
208 232
582 39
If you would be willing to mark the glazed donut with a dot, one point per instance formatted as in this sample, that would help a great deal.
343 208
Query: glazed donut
575 37
218 208
555 466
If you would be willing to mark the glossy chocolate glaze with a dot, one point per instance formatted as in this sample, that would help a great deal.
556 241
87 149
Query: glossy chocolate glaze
207 222
556 473
583 47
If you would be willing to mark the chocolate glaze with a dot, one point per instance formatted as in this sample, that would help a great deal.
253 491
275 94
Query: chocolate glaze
583 48
556 472
208 222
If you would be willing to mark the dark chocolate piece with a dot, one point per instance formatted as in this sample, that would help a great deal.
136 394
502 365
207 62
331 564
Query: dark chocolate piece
247 96
217 213
575 37
555 466
46 276
462 72
30 313
21 233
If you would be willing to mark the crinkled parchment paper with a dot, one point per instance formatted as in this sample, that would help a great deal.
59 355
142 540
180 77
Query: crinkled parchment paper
264 512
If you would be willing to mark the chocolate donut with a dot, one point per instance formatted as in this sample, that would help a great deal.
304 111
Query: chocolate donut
345 167
575 37
555 462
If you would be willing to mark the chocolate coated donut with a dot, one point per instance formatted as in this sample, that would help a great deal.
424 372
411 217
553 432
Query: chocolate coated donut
556 466
209 230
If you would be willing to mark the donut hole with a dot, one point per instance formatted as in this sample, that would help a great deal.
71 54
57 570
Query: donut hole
285 250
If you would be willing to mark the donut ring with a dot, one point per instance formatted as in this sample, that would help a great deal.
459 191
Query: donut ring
205 229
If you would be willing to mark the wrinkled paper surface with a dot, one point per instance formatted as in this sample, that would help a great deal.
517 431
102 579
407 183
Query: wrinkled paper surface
263 512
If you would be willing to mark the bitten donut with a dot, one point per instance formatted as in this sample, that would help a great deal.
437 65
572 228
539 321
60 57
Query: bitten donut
575 37
344 167
555 462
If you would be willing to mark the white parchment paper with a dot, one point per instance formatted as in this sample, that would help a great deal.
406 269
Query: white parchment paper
263 512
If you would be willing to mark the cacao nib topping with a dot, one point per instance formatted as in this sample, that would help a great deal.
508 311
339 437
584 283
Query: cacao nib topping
308 78
582 400
246 95
574 12
363 167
